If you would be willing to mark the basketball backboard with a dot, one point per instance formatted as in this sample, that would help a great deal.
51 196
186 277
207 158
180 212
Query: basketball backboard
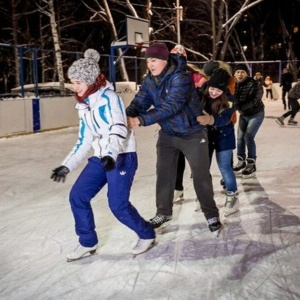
137 31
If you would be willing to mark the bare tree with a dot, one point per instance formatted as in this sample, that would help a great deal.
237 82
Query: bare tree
48 10
224 31
15 39
290 52
104 14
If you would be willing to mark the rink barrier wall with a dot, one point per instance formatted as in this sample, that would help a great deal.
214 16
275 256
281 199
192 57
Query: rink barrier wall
25 116
31 115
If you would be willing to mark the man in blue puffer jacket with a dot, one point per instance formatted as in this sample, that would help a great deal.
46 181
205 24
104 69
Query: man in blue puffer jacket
167 96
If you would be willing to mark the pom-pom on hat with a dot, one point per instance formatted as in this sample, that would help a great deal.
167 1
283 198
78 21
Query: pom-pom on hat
219 79
157 50
86 69
241 67
210 66
179 49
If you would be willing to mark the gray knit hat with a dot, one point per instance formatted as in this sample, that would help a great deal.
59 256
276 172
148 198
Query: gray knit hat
86 69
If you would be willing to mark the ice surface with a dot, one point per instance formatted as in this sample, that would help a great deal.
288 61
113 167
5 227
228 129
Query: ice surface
257 255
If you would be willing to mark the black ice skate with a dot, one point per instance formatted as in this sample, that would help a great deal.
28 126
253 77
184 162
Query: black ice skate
222 182
214 226
240 165
250 169
159 220
279 121
291 121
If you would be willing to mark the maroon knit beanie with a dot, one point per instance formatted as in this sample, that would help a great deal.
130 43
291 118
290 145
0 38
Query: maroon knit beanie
157 50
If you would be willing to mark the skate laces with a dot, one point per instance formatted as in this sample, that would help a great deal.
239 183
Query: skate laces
214 224
213 221
231 201
157 219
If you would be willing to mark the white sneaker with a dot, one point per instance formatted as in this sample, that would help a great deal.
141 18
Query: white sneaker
142 246
197 205
80 251
178 195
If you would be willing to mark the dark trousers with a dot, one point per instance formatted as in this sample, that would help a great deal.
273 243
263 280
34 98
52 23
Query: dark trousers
195 148
269 91
284 93
180 172
295 108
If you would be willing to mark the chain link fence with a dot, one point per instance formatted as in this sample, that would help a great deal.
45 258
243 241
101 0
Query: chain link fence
38 66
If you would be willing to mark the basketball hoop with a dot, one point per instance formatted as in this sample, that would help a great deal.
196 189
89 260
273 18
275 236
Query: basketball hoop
139 45
139 41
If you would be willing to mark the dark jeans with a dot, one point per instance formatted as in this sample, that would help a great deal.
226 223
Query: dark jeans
195 148
295 108
247 129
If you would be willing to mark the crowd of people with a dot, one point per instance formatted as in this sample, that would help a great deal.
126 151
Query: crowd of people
197 111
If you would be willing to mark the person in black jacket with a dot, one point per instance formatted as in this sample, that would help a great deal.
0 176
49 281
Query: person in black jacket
293 96
248 97
168 97
286 84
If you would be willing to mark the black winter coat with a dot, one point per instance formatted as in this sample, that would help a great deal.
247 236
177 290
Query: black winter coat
248 97
286 81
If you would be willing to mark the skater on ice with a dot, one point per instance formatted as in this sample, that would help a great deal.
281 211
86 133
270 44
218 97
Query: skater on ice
286 80
293 96
219 119
248 97
168 97
103 127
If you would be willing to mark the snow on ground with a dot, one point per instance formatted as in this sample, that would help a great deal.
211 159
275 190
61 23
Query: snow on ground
257 255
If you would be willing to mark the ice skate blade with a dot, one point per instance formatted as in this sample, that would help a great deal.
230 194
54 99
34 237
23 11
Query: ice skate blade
82 257
178 196
163 228
280 124
197 205
216 233
163 225
252 175
230 213
179 199
154 243
239 172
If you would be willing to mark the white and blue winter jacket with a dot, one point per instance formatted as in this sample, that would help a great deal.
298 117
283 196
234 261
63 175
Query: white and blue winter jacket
103 126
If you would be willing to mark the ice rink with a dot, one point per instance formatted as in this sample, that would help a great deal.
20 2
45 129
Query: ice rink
256 256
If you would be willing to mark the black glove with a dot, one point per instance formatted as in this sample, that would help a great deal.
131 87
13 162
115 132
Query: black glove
60 173
108 163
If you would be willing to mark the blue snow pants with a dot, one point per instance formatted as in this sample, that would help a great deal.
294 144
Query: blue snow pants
119 182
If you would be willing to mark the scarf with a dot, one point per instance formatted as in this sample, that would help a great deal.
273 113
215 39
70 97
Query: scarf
99 82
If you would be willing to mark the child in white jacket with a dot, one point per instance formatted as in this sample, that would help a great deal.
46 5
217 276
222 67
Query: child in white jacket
103 126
